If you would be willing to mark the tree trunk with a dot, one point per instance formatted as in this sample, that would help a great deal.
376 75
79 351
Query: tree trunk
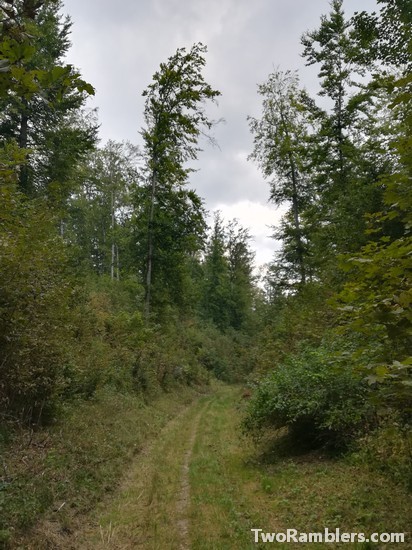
340 132
117 264
23 140
295 206
113 247
149 264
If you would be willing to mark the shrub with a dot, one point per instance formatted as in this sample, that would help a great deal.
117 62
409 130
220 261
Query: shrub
315 395
34 307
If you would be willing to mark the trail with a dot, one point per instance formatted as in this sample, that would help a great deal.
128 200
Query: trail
151 508
201 486
183 501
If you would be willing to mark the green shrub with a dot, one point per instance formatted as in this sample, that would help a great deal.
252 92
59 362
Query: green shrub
315 395
223 354
108 334
35 299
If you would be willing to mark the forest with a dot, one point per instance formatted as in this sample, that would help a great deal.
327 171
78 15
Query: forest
120 305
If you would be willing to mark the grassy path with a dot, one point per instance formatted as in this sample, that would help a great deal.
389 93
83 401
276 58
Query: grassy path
183 502
150 508
202 487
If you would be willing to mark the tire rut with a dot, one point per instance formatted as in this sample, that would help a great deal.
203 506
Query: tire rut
183 500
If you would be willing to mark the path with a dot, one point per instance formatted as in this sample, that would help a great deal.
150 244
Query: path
151 508
201 486
183 502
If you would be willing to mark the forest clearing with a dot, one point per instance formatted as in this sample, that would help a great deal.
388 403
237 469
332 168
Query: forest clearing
213 358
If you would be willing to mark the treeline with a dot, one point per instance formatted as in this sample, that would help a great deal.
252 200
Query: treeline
334 363
109 273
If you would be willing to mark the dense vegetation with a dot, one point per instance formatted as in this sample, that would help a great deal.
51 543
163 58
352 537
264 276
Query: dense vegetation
336 340
110 277
108 274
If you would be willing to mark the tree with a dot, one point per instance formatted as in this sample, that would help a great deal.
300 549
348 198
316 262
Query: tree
345 152
376 300
385 37
330 46
240 260
39 95
216 278
175 117
178 232
35 293
280 136
227 286
100 210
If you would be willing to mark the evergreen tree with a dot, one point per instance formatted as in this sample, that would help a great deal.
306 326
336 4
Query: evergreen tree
227 289
39 110
216 282
330 47
240 260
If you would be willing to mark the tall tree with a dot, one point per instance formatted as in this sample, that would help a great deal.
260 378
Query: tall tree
377 296
330 47
178 232
240 260
227 286
345 152
175 117
216 277
280 136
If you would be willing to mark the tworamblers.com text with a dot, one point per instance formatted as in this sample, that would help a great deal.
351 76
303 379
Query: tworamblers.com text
326 536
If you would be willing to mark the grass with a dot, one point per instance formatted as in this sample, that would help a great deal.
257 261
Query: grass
146 512
220 514
235 486
62 472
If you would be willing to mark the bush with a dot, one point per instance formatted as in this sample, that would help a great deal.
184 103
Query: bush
170 356
35 300
226 355
109 335
315 395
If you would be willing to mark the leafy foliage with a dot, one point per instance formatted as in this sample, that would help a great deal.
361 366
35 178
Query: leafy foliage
39 96
315 395
175 117
280 137
354 160
34 305
377 298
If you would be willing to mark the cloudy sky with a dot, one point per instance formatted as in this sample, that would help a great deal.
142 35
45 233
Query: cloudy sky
119 45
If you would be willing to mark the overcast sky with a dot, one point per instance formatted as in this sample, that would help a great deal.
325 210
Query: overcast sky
118 47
